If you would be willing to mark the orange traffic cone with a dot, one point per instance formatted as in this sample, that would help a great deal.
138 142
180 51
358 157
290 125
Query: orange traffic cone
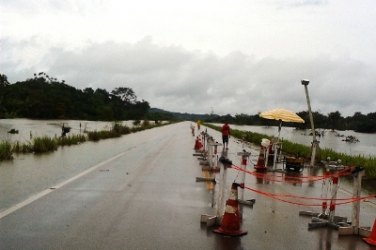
198 144
260 165
372 238
230 224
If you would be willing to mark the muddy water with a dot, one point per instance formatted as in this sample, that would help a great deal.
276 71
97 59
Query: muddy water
28 129
155 208
28 173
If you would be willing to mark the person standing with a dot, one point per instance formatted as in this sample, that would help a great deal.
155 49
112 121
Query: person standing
193 129
225 135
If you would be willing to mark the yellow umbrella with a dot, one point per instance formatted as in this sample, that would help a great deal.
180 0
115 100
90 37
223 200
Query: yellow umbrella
281 115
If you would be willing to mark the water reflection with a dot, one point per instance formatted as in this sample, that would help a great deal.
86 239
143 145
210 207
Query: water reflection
325 238
313 171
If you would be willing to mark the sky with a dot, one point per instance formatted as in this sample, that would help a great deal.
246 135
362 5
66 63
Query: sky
201 56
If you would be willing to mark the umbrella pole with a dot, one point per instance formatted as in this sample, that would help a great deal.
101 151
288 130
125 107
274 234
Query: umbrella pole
276 145
315 142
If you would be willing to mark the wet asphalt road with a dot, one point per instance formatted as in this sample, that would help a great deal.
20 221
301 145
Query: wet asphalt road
145 197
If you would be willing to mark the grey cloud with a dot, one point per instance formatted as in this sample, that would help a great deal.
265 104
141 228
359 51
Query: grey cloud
281 4
33 7
175 79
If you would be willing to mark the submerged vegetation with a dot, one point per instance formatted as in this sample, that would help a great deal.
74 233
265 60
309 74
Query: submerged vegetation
48 144
44 144
290 148
5 151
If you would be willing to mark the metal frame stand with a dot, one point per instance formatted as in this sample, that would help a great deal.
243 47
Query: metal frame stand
353 228
326 219
244 159
340 223
210 219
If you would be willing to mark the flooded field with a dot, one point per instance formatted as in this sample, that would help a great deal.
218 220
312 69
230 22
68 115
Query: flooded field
28 129
330 139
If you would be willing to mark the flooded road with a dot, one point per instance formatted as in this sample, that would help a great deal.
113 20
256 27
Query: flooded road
139 192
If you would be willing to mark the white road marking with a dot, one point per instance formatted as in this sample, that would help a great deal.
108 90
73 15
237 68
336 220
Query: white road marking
54 188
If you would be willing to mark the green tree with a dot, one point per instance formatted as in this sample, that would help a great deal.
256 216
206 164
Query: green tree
127 95
3 80
334 118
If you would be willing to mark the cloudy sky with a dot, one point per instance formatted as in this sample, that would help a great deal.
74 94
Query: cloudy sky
199 56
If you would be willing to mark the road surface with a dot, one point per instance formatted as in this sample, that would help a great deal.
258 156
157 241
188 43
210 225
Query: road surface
144 196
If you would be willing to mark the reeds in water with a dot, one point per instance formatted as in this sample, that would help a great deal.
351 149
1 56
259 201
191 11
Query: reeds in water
44 144
47 144
71 140
22 148
117 130
5 151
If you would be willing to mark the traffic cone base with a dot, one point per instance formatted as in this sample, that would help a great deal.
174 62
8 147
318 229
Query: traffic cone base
230 233
372 238
260 168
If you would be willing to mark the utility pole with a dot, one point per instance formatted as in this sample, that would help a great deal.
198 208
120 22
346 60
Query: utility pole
314 142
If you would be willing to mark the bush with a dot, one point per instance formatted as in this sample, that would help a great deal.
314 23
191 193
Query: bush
136 122
120 129
146 124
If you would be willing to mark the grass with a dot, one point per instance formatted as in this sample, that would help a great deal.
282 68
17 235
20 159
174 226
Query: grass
22 148
117 130
44 144
5 151
71 140
104 134
291 148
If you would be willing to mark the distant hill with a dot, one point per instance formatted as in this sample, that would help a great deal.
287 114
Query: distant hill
183 116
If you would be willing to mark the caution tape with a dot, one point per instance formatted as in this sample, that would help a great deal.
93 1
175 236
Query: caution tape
277 178
298 200
282 197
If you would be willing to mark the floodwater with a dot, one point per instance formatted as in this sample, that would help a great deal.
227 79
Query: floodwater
146 197
330 139
29 173
28 129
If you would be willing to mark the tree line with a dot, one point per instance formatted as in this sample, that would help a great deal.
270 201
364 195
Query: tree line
45 97
333 120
